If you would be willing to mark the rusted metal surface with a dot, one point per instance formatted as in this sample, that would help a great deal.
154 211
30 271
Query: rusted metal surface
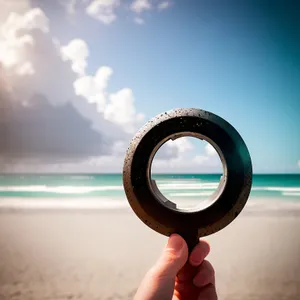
161 214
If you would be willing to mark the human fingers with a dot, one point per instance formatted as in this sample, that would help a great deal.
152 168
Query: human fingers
208 293
160 280
205 275
198 254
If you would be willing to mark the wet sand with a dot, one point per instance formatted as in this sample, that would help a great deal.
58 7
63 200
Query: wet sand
104 255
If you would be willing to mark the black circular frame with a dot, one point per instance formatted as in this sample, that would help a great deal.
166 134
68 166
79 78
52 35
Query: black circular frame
146 201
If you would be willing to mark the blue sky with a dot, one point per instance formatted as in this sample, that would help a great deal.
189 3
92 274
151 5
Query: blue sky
237 59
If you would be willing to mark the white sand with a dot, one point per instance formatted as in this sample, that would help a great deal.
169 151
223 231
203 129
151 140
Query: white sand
104 255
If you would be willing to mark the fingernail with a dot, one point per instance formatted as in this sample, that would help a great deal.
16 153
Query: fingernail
175 242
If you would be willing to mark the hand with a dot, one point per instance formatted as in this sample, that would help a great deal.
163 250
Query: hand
178 276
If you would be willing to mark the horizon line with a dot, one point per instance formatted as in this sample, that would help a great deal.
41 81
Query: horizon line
120 173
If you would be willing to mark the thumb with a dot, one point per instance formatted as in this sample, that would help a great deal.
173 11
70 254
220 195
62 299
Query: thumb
160 280
173 258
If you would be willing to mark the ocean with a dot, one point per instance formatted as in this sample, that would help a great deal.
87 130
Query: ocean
106 190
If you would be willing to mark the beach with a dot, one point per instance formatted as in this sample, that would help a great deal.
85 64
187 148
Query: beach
103 254
195 104
76 237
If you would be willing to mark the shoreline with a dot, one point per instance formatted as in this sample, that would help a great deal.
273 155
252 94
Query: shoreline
254 206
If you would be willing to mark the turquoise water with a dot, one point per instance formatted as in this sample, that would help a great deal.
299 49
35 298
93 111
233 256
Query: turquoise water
283 186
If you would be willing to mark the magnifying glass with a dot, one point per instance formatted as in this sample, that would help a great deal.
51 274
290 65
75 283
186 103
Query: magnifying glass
161 214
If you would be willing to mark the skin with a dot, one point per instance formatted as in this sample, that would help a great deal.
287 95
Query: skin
177 275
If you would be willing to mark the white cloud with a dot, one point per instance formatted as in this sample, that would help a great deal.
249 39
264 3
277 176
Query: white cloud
121 110
210 150
173 155
181 155
200 159
12 50
183 144
163 5
299 163
33 19
25 69
33 62
106 10
138 6
18 6
139 20
119 148
77 51
16 37
210 159
76 106
70 6
27 50
103 10
118 107
184 163
92 88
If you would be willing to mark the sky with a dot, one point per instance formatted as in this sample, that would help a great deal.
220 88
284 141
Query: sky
78 78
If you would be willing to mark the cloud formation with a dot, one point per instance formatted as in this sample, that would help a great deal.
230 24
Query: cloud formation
51 110
163 5
141 6
103 10
138 6
210 150
210 158
77 52
16 6
14 42
108 11
70 5
47 132
54 115
92 88
118 107
185 158
139 20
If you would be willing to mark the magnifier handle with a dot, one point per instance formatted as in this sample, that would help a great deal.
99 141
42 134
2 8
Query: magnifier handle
191 238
